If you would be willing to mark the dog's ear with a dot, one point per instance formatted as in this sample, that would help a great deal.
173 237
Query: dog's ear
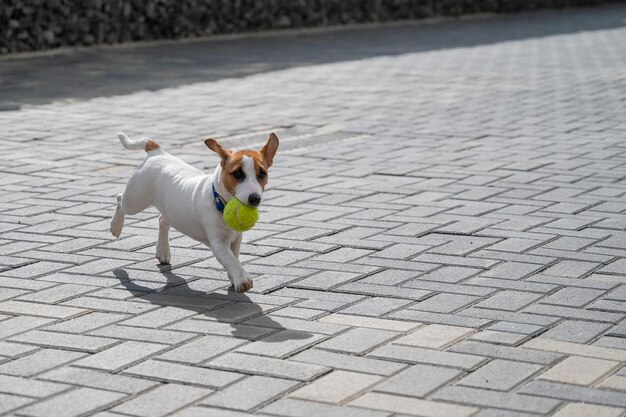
270 148
215 146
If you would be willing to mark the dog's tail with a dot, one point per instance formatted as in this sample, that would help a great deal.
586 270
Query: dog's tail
135 145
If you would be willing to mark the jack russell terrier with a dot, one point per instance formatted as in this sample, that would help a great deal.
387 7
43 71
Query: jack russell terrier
192 202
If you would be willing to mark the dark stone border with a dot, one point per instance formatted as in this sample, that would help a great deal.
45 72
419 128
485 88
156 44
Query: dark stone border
29 25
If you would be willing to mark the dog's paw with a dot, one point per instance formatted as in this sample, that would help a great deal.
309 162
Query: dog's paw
163 254
244 285
116 226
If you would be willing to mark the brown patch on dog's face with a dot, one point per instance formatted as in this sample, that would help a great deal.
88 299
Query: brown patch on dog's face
237 169
234 174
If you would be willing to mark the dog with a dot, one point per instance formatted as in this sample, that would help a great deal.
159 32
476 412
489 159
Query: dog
192 202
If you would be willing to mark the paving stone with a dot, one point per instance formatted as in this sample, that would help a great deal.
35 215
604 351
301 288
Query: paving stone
40 310
38 362
358 340
383 290
172 372
237 312
11 402
300 408
325 280
447 288
584 410
512 401
574 313
201 349
249 393
389 277
509 300
450 274
616 267
120 356
299 313
97 379
81 343
12 350
512 285
141 334
281 344
614 382
19 324
336 387
576 331
374 323
500 375
204 412
162 400
158 318
575 349
445 303
348 362
506 352
74 403
503 413
573 297
412 406
571 269
417 380
109 306
86 322
28 387
609 342
400 251
35 269
376 306
515 317
434 336
343 255
240 331
57 294
414 355
275 322
512 270
501 338
574 393
260 365
579 370
437 318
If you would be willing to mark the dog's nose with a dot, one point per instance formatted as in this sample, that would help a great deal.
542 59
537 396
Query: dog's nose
254 199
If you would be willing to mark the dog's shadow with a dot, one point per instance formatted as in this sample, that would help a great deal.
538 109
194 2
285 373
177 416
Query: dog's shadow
209 309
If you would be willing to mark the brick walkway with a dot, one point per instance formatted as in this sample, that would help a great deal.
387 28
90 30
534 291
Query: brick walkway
444 237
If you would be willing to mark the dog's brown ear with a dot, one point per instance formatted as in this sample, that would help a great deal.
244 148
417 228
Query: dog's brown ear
215 146
270 148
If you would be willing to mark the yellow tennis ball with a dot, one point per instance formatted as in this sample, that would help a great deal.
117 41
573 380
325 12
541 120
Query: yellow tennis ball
239 216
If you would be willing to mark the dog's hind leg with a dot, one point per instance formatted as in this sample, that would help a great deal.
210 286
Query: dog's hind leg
117 222
163 244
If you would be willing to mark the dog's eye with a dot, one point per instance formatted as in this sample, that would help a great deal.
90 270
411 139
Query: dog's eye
262 174
239 174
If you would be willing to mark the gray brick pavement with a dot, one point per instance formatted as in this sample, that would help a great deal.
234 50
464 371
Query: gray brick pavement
444 236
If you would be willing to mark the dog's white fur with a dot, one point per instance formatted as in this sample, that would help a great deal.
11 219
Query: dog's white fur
184 197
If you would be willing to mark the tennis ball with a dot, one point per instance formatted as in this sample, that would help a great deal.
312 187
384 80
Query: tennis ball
239 216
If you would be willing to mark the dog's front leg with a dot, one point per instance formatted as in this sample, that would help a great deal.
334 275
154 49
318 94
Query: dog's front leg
238 276
236 245
163 244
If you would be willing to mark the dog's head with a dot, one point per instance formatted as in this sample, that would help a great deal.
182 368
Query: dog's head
245 173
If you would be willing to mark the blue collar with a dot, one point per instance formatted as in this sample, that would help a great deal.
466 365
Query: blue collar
219 203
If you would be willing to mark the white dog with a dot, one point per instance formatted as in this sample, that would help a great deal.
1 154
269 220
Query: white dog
192 202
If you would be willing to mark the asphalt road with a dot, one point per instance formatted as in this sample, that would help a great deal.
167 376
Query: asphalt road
106 71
